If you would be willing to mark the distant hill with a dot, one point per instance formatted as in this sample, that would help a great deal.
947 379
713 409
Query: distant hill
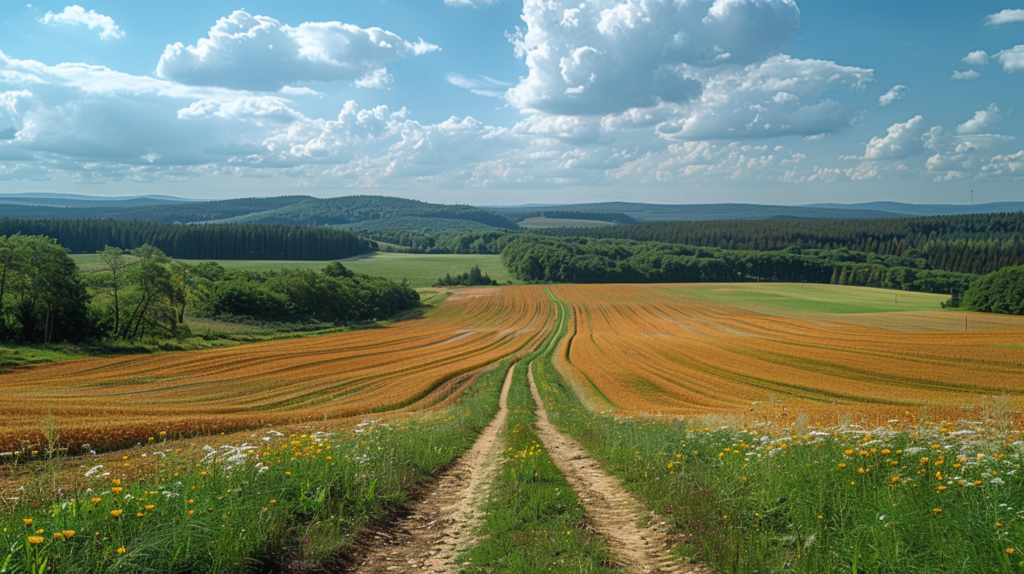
701 212
162 212
18 197
391 214
72 200
927 209
368 208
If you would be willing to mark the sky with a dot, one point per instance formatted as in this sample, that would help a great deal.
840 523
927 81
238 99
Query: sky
504 102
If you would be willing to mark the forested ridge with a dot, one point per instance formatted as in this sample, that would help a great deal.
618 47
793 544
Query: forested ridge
202 241
962 243
361 208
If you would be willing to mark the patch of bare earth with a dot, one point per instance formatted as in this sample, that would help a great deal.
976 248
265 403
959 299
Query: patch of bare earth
636 540
440 523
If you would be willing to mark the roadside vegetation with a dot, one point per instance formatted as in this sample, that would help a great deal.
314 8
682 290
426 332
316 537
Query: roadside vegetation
279 502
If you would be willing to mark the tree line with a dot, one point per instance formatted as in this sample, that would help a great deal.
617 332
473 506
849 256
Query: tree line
977 244
205 241
474 278
587 260
143 295
998 292
465 243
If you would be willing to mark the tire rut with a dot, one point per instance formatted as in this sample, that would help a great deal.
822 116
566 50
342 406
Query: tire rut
440 524
609 508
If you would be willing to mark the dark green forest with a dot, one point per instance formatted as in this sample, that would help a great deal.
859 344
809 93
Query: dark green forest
962 243
998 292
587 260
206 241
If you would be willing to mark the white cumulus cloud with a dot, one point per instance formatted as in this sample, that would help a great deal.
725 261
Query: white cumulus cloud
77 16
895 93
1008 16
965 75
902 140
976 58
982 121
1012 59
780 96
248 52
607 56
378 79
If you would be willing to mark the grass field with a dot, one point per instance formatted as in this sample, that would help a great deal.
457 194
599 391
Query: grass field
91 262
791 300
425 270
421 270
548 222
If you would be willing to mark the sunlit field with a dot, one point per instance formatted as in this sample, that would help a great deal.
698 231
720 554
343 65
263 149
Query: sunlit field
114 402
776 352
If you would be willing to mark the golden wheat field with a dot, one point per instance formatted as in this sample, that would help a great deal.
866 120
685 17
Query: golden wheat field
697 350
111 402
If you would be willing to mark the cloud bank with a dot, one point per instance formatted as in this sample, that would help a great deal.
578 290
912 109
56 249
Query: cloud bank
245 52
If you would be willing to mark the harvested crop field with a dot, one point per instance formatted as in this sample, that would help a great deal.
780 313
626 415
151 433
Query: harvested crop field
112 402
768 352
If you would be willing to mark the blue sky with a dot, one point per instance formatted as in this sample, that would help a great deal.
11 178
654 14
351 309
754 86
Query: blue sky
505 102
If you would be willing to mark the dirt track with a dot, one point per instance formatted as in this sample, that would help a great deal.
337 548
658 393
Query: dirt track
440 524
610 510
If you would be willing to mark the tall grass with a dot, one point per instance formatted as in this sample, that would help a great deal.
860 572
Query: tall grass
283 502
942 497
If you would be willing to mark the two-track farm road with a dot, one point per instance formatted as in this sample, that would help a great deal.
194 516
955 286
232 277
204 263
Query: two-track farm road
610 509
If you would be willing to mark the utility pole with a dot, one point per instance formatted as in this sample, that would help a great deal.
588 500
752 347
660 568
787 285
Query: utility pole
972 197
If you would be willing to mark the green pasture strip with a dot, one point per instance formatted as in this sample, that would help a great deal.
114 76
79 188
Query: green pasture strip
790 299
810 499
534 521
424 270
91 262
258 507
24 355
544 222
